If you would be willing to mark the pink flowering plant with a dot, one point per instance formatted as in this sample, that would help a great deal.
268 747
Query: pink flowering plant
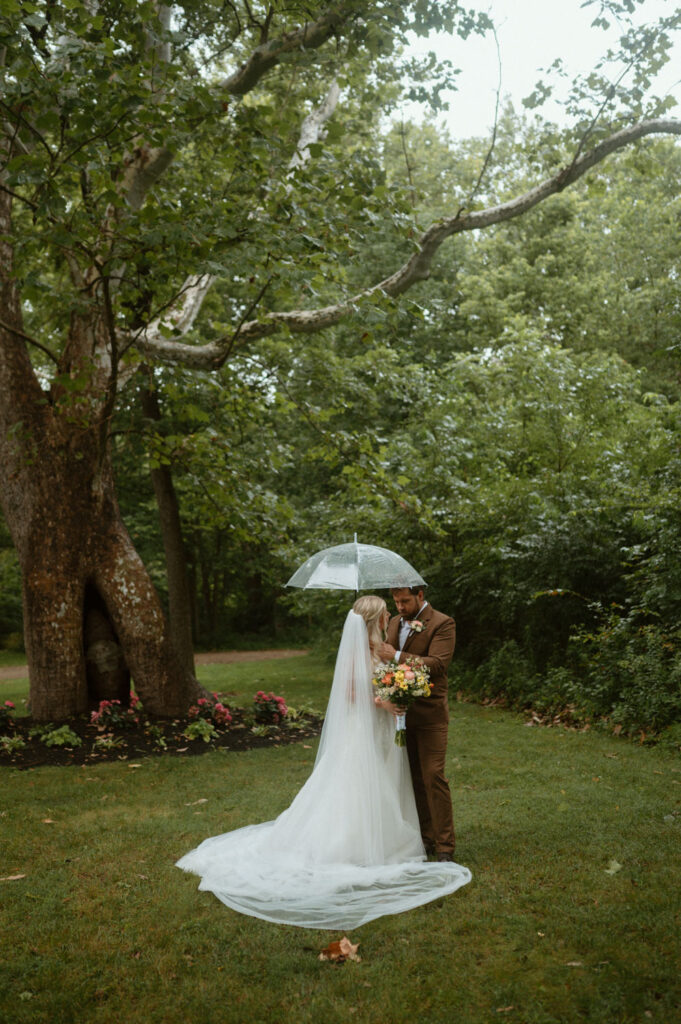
111 714
269 709
6 713
213 711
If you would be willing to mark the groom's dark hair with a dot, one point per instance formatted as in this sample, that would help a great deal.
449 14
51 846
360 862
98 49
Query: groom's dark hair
412 590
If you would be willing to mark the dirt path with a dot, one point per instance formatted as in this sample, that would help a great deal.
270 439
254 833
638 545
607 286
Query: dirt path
10 673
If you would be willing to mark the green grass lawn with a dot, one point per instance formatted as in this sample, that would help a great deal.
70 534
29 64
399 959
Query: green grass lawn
572 914
9 659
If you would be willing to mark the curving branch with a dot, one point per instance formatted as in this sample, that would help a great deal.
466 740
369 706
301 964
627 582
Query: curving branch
312 129
186 306
417 267
145 165
311 36
182 313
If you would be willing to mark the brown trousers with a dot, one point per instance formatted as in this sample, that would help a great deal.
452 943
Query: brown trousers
427 748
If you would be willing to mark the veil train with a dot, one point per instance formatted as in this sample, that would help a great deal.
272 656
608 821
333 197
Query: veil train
348 849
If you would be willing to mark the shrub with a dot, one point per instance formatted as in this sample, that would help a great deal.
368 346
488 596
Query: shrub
112 714
14 642
12 743
631 673
156 733
210 711
108 742
6 713
200 729
269 709
507 673
61 736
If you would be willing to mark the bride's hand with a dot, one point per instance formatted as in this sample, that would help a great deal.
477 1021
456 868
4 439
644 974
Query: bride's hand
386 705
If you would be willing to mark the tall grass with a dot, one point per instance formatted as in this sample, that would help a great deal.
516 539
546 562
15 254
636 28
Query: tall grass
572 914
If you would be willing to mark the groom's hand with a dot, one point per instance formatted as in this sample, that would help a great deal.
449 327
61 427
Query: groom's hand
386 652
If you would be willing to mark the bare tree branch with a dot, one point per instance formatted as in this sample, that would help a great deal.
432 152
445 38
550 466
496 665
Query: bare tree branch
31 341
495 129
144 169
194 290
312 129
146 166
311 36
417 268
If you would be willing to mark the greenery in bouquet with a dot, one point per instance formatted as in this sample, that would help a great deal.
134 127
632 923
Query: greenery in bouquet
401 683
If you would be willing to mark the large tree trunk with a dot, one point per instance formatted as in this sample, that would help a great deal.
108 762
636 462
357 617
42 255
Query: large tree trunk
76 557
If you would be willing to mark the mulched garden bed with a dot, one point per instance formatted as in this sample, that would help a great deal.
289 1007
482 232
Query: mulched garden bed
150 739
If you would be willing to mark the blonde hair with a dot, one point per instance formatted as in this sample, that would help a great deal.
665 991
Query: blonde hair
372 609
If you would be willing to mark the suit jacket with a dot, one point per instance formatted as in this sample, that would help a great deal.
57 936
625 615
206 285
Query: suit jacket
434 645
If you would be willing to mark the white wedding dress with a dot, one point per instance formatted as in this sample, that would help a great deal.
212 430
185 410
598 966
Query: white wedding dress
348 849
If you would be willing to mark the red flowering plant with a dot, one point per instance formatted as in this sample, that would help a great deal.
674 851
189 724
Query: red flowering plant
213 711
269 709
6 713
111 714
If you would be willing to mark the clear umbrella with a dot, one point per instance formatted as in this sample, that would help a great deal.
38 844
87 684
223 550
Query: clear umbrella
355 567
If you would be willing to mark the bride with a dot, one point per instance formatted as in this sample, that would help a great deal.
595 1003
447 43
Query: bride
348 849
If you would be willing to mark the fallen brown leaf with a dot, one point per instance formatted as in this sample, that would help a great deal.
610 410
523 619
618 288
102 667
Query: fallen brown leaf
12 878
340 951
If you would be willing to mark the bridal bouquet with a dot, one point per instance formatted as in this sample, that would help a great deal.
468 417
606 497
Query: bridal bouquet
401 683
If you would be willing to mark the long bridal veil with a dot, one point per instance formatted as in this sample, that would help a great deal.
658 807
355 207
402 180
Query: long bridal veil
348 849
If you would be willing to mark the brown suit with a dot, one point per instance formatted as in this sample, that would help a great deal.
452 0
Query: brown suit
427 720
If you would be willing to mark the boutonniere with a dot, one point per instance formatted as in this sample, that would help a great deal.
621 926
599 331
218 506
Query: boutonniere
416 626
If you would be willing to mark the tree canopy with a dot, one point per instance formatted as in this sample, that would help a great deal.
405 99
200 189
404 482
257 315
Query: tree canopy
207 233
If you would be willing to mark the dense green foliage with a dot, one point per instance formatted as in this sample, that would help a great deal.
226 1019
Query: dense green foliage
513 440
511 427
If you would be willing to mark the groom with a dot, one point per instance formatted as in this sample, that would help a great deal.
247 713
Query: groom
430 636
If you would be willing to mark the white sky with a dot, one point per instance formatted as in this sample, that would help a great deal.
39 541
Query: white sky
532 33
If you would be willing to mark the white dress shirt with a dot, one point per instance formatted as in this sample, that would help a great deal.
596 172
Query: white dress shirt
405 630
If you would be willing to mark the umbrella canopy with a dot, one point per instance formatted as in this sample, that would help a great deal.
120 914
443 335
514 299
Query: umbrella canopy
355 567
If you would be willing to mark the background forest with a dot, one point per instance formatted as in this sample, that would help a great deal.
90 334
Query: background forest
512 427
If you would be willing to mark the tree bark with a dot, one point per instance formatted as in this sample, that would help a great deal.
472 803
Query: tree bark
75 553
63 580
58 576
177 572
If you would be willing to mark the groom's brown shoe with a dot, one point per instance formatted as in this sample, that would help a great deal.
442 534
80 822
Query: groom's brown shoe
444 856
